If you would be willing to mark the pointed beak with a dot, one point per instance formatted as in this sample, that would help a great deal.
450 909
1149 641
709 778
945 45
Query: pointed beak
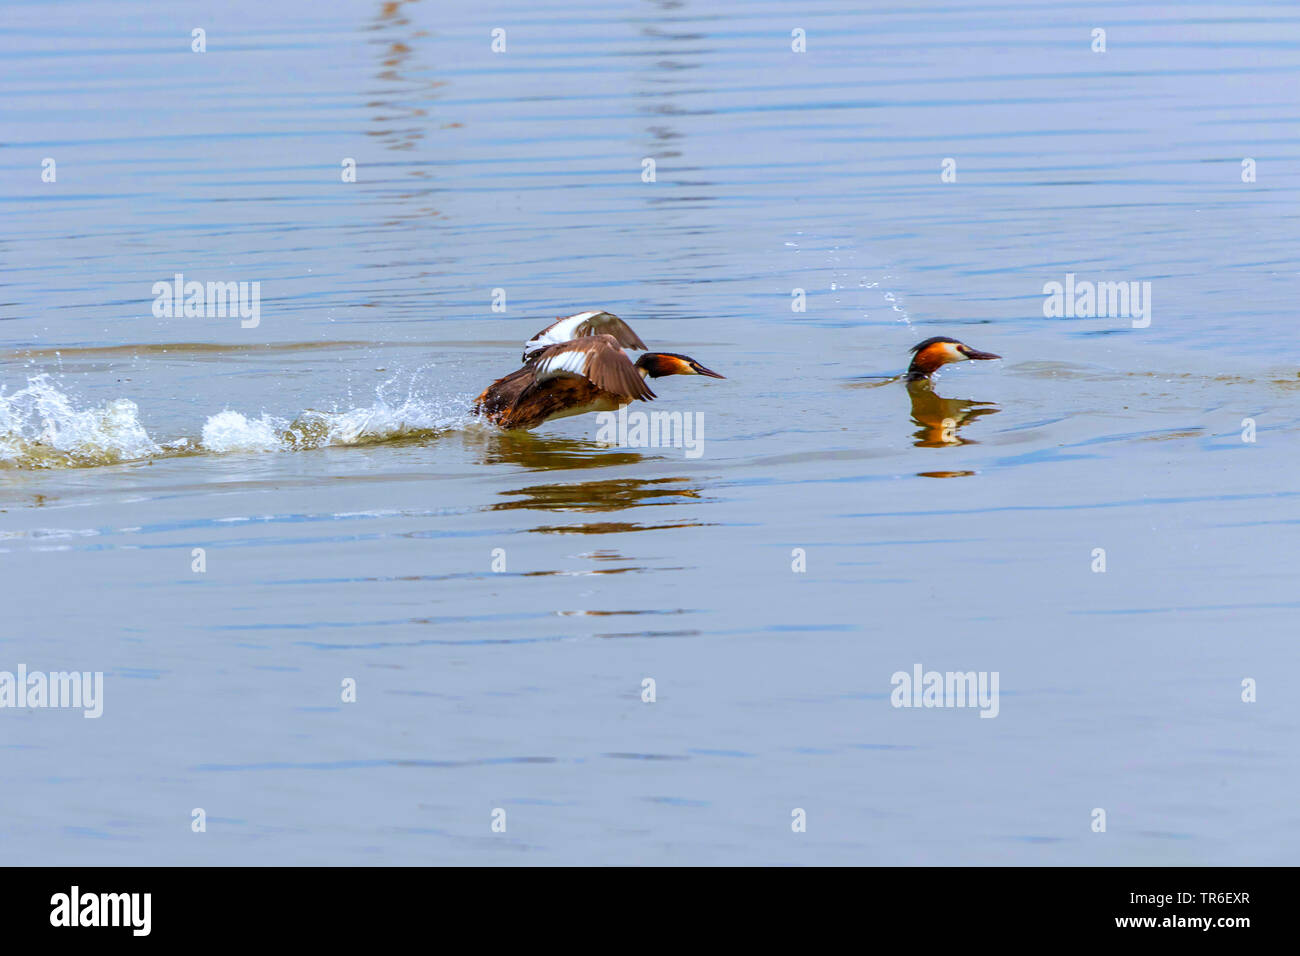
701 370
977 354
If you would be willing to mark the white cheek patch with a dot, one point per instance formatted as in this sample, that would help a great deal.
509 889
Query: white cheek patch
953 354
565 363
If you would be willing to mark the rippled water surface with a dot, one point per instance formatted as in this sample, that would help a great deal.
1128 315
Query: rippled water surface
499 598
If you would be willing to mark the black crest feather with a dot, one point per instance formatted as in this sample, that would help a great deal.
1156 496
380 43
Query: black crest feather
932 341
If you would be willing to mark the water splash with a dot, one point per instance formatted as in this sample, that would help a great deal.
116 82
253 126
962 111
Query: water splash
229 431
42 427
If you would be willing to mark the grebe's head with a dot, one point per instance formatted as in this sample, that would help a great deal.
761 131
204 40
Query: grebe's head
659 364
933 353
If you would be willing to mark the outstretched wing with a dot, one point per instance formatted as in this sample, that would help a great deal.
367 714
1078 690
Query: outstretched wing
597 358
581 325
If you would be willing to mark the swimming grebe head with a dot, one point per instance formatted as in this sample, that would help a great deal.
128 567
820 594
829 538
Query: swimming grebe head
659 364
935 352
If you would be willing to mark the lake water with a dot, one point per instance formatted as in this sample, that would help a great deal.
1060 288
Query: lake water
500 598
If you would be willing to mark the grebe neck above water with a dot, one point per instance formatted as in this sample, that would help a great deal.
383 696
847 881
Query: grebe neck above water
934 353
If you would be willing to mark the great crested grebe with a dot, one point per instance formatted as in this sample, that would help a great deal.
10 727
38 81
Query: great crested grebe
938 351
583 373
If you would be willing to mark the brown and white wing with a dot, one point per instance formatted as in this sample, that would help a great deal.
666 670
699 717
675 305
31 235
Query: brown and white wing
581 325
597 358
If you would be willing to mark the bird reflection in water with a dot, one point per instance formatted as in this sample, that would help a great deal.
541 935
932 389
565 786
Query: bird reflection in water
940 419
538 453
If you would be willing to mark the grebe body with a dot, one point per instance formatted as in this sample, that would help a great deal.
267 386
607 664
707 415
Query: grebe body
589 373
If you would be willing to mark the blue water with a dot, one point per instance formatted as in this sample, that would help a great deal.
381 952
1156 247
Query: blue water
350 511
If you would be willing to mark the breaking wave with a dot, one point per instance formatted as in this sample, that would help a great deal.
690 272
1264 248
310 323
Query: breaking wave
42 427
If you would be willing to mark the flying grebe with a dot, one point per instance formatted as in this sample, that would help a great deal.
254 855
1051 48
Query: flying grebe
936 352
588 373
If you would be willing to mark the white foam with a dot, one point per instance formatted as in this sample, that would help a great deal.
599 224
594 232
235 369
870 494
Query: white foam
365 426
40 427
229 431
